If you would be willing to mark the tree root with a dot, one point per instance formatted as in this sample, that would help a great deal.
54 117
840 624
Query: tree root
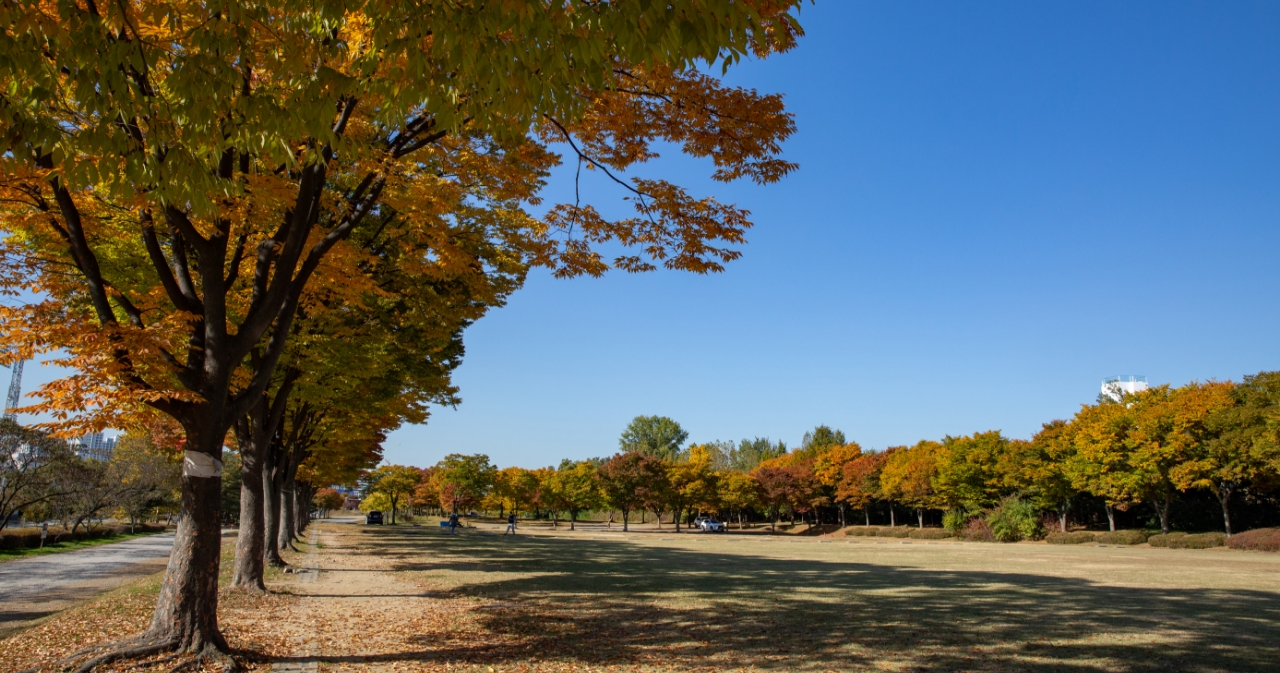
142 648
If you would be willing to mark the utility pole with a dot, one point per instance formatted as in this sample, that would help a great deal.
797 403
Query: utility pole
15 392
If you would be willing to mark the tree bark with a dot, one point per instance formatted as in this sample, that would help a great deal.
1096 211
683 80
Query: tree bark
1111 517
1062 519
187 610
249 570
892 522
866 512
285 534
920 517
271 520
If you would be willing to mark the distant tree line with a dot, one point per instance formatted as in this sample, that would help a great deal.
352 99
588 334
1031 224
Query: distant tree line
1195 453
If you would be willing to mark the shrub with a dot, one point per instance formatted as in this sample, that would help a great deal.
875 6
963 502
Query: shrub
930 534
954 520
1122 537
978 530
1015 519
1260 539
1164 540
861 531
894 531
1199 541
1078 537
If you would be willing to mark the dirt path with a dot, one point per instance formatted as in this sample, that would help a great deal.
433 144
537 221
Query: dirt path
353 614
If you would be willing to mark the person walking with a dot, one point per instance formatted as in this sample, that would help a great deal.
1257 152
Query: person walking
511 524
453 523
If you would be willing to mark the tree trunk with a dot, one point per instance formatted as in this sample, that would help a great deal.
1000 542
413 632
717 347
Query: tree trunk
1162 508
1111 517
892 522
866 512
285 533
573 518
1062 519
250 549
271 521
1224 496
920 517
625 512
187 609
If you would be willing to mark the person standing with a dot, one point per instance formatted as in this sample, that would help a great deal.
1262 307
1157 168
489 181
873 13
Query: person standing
453 523
511 524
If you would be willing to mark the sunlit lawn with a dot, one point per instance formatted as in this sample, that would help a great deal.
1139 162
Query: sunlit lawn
667 601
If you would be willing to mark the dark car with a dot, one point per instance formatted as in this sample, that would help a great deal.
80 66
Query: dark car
373 517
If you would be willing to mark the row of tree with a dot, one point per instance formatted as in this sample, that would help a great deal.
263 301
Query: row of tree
1144 448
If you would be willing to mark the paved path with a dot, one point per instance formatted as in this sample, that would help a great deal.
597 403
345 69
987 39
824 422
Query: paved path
34 587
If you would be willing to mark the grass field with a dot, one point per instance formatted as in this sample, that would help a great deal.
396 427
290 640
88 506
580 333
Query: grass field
693 601
411 598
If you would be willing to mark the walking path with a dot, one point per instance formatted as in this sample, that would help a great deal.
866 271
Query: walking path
35 587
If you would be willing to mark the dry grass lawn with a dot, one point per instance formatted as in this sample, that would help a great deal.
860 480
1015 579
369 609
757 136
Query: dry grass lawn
415 599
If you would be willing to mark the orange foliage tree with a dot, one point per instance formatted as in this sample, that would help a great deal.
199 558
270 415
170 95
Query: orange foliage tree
177 173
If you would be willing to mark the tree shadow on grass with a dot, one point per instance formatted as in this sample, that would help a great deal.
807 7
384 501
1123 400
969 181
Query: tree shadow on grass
614 602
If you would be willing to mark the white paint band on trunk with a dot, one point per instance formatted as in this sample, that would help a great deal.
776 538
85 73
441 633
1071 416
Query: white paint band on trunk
196 464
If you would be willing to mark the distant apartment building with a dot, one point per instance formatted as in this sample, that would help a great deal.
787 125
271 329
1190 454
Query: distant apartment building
95 446
1116 387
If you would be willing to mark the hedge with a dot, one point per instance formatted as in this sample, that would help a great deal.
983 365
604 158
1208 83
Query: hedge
930 534
29 537
1164 540
1199 541
894 531
1078 537
1122 537
861 531
1260 539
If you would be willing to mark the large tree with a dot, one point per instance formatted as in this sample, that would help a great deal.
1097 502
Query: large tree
623 479
656 436
176 173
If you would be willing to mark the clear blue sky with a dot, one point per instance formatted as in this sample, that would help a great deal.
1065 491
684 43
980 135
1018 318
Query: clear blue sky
998 205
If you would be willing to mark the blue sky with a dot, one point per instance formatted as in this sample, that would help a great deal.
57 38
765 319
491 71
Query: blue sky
998 205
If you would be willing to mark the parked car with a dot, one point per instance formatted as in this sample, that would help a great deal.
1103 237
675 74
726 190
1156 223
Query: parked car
709 525
374 517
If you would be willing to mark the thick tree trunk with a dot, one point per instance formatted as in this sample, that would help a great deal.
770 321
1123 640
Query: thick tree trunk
1111 518
920 517
250 550
271 521
186 613
285 534
625 512
892 522
866 512
1062 519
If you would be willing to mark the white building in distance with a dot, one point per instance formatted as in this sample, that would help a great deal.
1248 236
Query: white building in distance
1116 387
96 446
